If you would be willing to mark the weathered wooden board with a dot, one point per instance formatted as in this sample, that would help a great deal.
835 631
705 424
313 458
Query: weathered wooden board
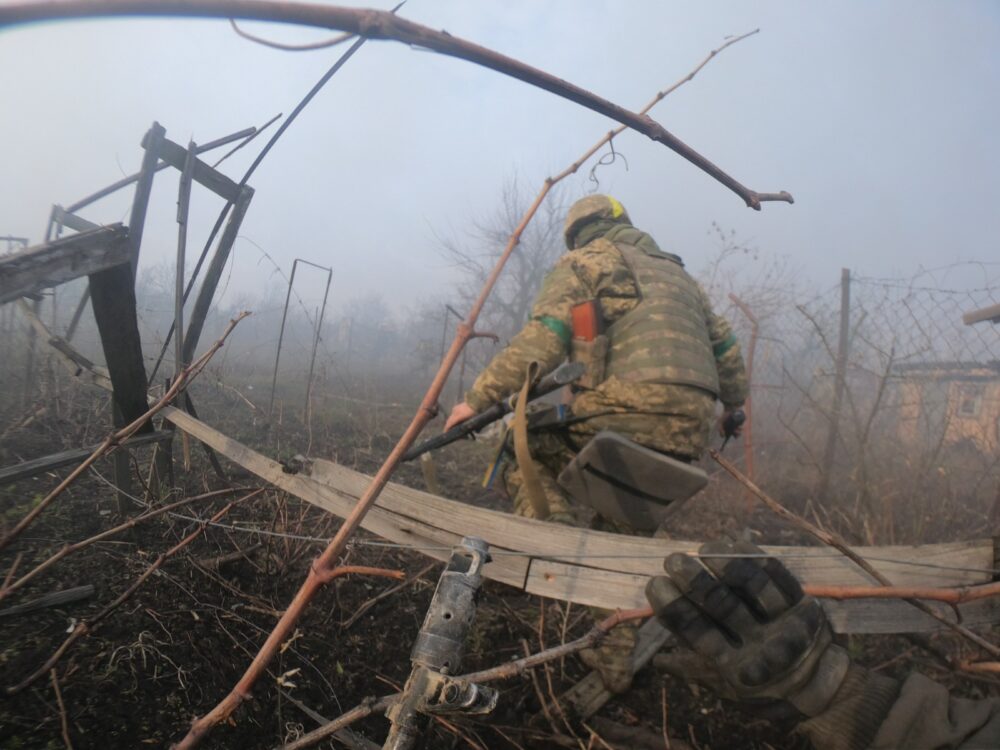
644 556
175 155
589 695
527 552
54 461
36 268
433 542
77 223
614 590
112 295
75 363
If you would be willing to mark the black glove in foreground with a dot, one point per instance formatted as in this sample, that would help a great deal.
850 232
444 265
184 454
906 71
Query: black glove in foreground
753 636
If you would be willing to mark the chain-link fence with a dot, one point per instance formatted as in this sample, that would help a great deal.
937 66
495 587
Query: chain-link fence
874 392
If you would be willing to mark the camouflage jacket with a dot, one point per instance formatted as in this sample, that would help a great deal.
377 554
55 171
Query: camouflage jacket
598 271
875 712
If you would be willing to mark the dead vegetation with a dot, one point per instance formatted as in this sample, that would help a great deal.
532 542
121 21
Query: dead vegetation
191 565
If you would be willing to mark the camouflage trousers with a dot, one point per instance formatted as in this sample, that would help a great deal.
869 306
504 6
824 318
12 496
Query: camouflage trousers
552 450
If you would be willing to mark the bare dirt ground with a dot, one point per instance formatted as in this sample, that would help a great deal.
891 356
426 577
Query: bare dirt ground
177 646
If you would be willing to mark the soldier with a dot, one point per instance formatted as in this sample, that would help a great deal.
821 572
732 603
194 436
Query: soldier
749 634
668 358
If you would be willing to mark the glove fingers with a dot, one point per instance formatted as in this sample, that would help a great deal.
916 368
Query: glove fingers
781 576
748 577
716 600
682 618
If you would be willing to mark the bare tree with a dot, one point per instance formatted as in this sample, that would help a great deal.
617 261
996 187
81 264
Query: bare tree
475 254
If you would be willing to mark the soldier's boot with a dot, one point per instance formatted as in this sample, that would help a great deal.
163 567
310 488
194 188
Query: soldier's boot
613 657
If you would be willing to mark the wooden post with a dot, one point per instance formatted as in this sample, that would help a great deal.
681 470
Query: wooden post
143 187
843 351
113 298
183 203
214 272
319 327
281 336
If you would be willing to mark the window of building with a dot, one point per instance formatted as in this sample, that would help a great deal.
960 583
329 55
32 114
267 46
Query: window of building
970 400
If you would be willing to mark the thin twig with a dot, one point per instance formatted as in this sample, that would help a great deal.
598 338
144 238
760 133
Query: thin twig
663 716
12 571
360 611
953 596
833 540
325 44
385 25
63 718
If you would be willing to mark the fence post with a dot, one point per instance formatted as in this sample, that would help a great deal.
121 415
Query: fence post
843 350
748 404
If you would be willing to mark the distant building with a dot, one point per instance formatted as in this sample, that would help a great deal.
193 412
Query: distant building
949 404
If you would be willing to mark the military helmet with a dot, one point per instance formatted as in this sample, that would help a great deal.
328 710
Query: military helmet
592 208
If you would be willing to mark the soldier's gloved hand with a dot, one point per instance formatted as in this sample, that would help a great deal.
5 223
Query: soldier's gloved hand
751 634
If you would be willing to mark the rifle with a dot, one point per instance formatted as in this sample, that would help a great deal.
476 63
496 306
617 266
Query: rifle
563 375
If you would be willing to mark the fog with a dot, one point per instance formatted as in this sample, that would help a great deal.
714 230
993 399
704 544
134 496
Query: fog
880 118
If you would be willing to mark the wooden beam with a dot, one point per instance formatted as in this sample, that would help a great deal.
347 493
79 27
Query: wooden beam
54 461
77 223
30 271
991 313
608 570
176 155
75 363
113 298
214 273
143 189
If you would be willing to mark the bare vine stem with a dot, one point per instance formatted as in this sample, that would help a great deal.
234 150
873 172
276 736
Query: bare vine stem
112 441
374 24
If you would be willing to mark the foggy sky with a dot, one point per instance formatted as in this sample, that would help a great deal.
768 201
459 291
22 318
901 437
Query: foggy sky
880 118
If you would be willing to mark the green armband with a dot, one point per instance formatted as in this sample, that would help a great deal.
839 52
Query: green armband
724 346
557 327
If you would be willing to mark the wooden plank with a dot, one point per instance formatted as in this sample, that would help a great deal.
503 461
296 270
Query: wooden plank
644 556
66 458
589 695
77 223
143 189
112 293
991 313
53 599
75 363
436 543
214 273
175 155
30 271
335 489
614 590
